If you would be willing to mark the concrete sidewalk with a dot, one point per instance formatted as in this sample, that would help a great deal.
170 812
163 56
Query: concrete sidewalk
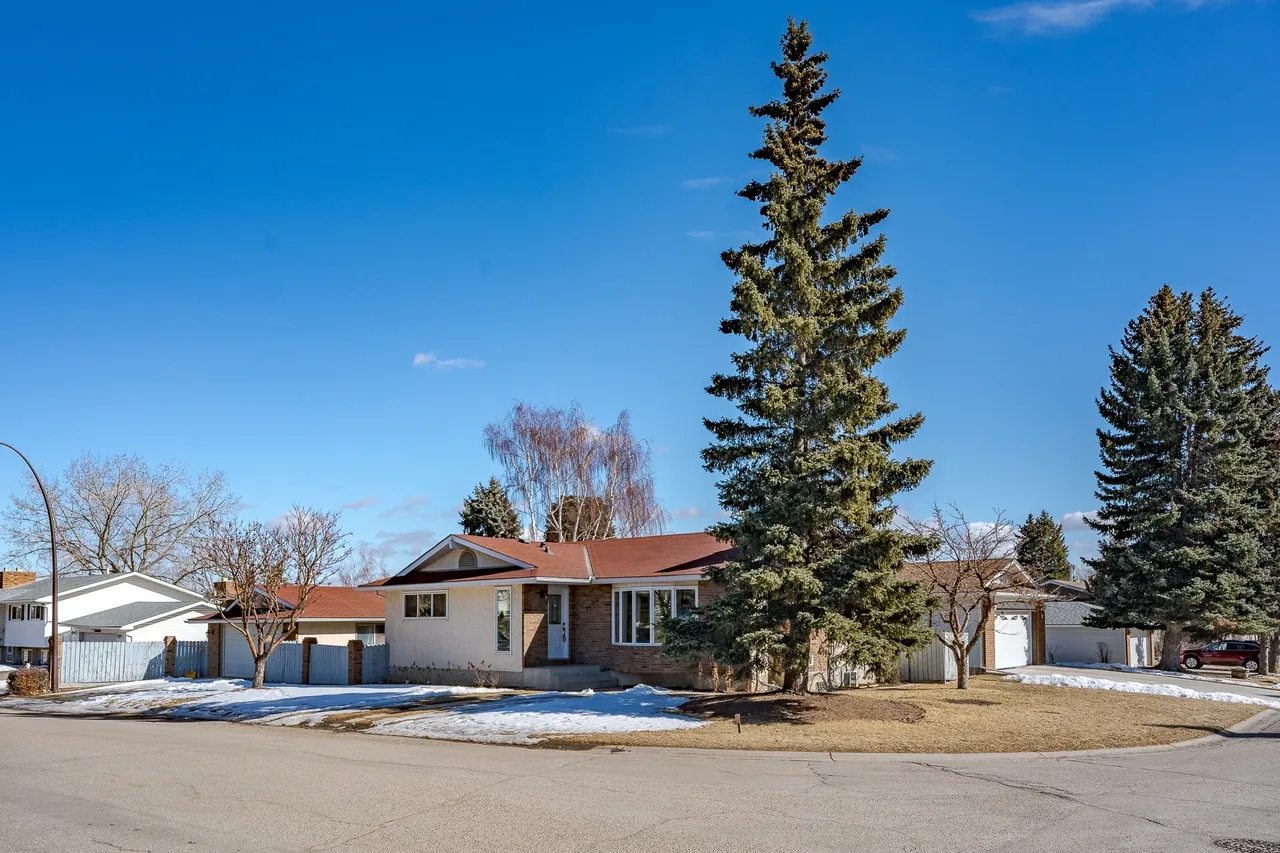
1200 685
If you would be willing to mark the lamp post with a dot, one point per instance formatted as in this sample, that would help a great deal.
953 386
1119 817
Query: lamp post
53 577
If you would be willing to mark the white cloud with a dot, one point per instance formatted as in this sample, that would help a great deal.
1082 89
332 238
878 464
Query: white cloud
1074 521
876 152
1059 17
701 183
431 360
649 130
402 544
700 235
360 503
687 512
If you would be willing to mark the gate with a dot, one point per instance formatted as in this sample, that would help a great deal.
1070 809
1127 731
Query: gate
191 656
328 664
377 660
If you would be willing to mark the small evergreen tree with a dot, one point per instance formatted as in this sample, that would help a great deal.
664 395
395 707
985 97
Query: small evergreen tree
1042 550
1184 508
808 475
488 512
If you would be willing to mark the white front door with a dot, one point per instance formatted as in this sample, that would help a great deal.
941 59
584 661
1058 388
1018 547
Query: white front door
558 622
1013 640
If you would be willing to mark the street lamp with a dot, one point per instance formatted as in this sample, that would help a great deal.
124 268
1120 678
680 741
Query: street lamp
53 578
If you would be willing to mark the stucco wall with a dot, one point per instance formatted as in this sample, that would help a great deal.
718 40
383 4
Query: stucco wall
175 626
329 633
466 636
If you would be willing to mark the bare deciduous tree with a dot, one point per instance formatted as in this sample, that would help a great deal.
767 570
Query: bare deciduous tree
967 568
556 460
120 514
364 565
250 567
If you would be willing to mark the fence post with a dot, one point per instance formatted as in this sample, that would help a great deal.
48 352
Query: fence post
355 662
214 652
307 643
55 654
170 656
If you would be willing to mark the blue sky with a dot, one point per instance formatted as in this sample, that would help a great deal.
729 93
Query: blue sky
319 247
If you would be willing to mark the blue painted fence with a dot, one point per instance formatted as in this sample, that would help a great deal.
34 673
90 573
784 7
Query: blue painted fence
328 664
285 664
377 661
192 656
104 663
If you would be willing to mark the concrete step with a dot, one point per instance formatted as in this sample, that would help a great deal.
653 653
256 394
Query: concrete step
571 678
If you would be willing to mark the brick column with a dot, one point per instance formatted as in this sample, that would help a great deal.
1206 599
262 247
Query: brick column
1039 643
989 641
215 650
307 643
355 662
170 656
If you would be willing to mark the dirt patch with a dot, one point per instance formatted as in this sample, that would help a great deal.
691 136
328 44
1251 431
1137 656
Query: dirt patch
770 708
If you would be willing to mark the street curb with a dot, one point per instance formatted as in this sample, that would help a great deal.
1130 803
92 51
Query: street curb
1258 722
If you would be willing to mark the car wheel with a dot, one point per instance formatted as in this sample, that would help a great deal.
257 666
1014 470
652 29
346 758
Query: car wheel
1251 665
1191 662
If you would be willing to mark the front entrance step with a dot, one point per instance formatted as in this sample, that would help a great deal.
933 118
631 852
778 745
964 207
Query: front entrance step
569 677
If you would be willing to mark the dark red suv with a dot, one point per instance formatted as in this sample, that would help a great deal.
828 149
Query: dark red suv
1223 653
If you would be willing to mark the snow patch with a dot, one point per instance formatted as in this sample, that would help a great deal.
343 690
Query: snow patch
1138 687
528 719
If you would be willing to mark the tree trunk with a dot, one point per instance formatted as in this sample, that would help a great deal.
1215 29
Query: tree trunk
259 671
1274 664
1170 657
795 681
962 669
1264 654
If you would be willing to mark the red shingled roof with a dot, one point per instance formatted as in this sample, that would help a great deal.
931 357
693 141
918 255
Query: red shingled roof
329 602
673 555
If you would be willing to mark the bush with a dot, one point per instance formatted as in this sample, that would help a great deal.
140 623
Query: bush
28 681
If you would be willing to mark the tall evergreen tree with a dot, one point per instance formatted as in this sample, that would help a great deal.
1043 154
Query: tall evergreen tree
1042 549
1184 508
807 471
488 512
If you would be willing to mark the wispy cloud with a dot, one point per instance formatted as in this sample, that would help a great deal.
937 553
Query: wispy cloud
701 183
650 130
877 152
1062 17
412 505
432 361
404 545
687 512
362 503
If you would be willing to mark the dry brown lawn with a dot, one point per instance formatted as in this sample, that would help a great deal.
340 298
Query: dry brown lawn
992 716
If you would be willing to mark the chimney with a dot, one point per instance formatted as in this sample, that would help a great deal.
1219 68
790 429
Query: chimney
10 578
219 590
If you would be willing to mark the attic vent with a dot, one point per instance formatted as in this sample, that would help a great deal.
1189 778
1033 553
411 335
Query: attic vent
467 559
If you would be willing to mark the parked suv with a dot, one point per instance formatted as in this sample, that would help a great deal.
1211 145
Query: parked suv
1223 653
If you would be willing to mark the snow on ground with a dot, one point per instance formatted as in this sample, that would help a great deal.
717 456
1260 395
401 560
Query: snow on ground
527 719
1119 667
1138 687
232 699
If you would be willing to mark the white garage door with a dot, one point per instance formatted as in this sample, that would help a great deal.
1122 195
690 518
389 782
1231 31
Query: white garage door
237 660
1013 640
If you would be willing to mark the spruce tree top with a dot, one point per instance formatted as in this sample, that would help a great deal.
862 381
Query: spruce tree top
1042 549
488 512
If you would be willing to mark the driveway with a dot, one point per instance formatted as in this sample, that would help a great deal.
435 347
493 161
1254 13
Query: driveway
95 784
1201 684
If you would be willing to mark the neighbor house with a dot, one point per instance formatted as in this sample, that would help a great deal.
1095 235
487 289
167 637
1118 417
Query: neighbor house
1012 636
1069 640
110 608
538 614
334 615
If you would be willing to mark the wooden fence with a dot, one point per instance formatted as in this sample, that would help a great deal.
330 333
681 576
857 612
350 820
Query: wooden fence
104 663
377 660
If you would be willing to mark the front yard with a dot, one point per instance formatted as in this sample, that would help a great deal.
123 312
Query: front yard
994 715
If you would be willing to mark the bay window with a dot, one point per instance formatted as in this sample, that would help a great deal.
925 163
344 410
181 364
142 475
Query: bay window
638 612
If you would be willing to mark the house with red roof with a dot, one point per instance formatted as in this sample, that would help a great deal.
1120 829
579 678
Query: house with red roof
546 614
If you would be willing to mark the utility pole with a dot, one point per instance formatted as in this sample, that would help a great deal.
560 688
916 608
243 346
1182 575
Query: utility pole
54 651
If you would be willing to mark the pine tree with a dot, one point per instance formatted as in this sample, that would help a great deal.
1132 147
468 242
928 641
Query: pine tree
808 476
1042 550
488 512
1184 508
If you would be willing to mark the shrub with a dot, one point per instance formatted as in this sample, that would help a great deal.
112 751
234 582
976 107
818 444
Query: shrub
29 681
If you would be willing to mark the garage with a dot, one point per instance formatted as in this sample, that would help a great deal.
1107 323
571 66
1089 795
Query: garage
1013 640
237 660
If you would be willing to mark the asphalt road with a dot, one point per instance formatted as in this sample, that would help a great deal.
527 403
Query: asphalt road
77 784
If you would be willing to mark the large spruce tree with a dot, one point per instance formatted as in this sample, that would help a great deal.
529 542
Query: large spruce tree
807 465
1042 549
1184 491
487 511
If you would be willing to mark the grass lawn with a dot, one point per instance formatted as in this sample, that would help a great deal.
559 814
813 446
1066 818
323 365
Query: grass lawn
992 716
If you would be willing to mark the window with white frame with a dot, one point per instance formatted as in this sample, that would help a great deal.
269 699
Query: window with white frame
426 605
638 612
17 612
35 611
502 619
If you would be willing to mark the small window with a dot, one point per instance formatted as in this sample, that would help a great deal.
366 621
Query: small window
467 559
371 635
35 611
16 612
502 612
427 605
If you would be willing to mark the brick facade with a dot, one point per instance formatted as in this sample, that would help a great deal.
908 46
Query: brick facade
10 578
355 661
533 615
989 641
215 650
